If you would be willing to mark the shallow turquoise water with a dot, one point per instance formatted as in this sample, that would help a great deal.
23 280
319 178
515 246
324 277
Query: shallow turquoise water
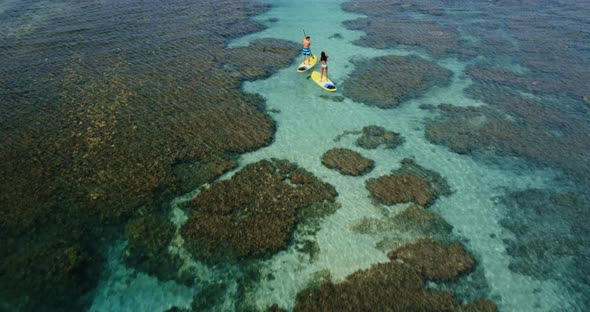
307 125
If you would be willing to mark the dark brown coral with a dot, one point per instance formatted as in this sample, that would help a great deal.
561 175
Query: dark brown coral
412 219
383 287
98 134
548 228
416 218
480 305
434 179
387 81
548 132
347 161
394 189
386 26
397 286
148 238
254 213
53 272
374 136
436 261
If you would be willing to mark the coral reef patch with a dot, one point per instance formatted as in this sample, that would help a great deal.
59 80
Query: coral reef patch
389 286
148 238
190 174
397 189
416 218
372 137
385 286
394 28
387 81
551 64
347 161
437 262
434 179
412 219
102 138
254 213
259 59
544 131
404 227
550 236
51 272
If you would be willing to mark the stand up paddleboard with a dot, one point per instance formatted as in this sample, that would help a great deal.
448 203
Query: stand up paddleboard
303 67
326 84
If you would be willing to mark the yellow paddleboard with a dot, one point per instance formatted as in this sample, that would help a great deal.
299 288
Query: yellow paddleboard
326 84
303 67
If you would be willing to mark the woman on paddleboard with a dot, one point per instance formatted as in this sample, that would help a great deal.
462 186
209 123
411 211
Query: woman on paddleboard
324 65
306 51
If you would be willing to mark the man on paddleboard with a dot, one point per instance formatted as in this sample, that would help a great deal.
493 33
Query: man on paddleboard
306 51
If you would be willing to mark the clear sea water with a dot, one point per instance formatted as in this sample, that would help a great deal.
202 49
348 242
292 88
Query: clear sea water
48 33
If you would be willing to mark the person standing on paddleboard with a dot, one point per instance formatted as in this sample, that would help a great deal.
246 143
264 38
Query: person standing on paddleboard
306 51
324 65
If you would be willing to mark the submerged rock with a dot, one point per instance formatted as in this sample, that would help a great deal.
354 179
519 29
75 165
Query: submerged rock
383 287
544 131
374 136
148 239
531 83
404 227
49 267
106 135
209 297
458 128
427 107
396 189
387 81
548 230
387 26
436 261
480 305
390 286
347 161
274 308
435 180
254 213
414 219
192 174
261 58
410 183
